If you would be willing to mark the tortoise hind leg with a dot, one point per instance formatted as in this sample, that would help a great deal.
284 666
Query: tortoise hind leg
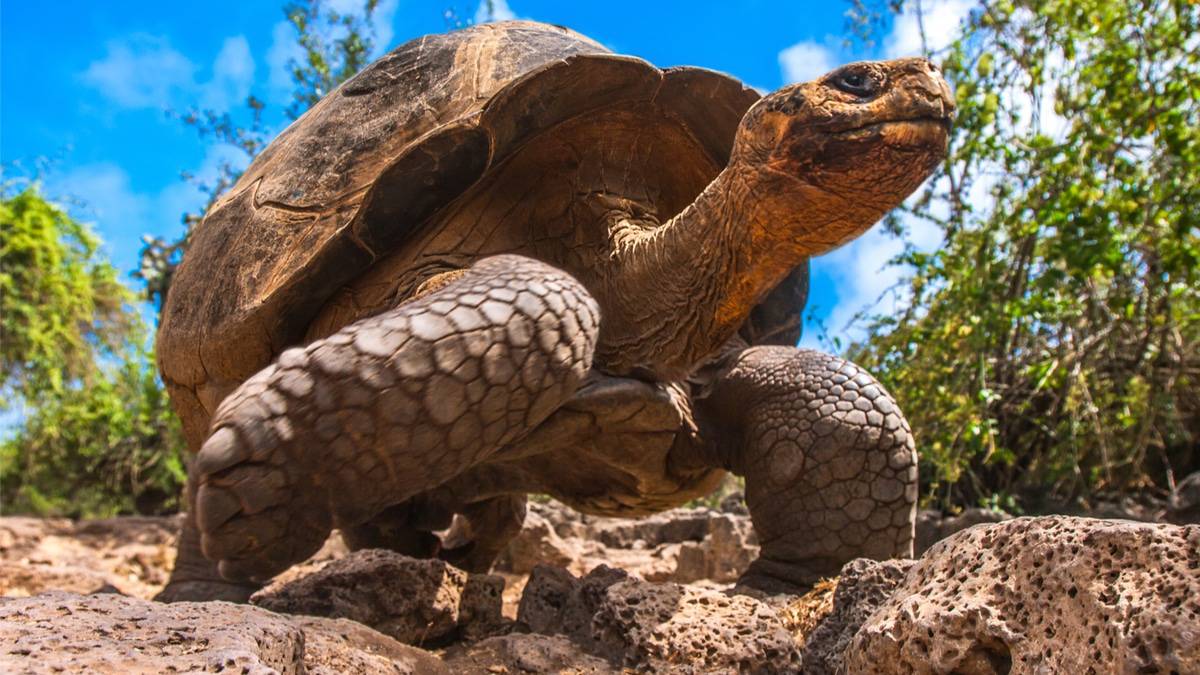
828 459
387 408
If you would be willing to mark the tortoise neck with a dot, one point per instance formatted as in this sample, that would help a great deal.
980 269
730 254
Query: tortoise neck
683 289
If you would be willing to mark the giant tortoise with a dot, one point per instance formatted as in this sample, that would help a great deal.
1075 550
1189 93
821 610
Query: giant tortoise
504 261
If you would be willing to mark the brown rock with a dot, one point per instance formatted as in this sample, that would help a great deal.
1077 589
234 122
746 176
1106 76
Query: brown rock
728 548
1053 594
548 592
336 646
667 527
657 626
481 608
536 544
689 629
114 634
522 653
556 602
415 601
65 632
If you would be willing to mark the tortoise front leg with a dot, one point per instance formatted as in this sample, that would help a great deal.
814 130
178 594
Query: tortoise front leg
386 408
829 462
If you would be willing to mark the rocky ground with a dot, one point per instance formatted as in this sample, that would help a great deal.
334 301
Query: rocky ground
576 594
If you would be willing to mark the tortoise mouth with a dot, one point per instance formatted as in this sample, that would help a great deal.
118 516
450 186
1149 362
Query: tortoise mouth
943 122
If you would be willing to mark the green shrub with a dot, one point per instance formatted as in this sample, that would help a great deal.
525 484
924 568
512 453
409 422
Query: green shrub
1052 344
95 434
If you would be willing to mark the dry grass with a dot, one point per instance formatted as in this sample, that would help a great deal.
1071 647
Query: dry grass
803 615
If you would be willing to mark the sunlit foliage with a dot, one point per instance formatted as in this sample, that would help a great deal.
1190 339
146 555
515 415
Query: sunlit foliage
1051 347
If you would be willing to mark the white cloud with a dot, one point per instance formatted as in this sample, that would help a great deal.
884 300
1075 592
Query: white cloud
382 19
865 282
142 71
104 195
805 61
284 49
940 18
145 71
500 11
233 75
280 54
382 23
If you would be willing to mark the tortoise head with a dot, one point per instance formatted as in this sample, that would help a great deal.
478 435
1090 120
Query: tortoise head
865 136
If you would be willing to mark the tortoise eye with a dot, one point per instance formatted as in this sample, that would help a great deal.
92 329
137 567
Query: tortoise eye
857 83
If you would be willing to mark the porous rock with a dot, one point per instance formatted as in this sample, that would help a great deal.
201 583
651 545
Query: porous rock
658 626
111 633
481 608
1040 595
862 587
67 632
419 602
690 629
526 653
557 602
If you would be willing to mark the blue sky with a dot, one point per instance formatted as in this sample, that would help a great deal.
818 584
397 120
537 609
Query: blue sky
87 85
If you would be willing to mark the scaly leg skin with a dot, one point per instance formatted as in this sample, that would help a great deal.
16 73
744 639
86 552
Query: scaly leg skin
829 462
388 407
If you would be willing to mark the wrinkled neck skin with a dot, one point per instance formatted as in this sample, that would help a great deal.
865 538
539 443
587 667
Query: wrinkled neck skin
676 293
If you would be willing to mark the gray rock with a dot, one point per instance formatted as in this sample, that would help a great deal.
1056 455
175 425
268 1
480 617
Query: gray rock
727 549
556 602
672 526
